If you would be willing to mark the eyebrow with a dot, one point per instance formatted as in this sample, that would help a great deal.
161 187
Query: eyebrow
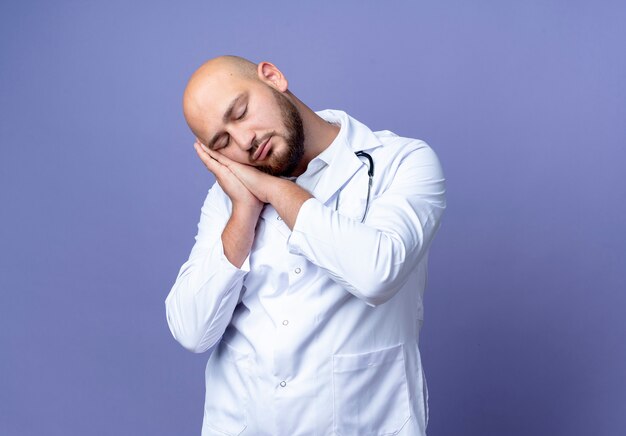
226 117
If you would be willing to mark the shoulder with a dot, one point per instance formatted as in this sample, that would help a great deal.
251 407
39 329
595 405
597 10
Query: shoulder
398 150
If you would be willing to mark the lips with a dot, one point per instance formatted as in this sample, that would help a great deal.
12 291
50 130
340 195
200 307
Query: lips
262 151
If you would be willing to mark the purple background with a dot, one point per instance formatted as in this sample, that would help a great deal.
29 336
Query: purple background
524 102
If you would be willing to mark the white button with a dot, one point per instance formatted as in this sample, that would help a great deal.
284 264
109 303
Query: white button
285 322
298 270
283 383
279 218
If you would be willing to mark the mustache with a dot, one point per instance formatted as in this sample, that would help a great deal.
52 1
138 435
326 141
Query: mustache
257 142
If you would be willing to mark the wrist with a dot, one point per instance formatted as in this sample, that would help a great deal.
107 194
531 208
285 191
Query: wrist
277 189
287 197
247 212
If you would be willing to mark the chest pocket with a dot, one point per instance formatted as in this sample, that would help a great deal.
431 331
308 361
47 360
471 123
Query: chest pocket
352 207
370 393
351 201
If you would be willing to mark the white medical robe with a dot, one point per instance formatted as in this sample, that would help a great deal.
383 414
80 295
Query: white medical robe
317 332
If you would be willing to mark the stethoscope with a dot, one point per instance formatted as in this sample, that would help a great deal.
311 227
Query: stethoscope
370 174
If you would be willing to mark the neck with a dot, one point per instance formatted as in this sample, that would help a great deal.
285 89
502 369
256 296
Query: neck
318 134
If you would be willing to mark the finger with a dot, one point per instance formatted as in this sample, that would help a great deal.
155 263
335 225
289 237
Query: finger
201 153
214 155
200 146
210 163
221 172
219 157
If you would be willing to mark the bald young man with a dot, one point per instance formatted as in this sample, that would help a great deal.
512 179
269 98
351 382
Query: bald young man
309 266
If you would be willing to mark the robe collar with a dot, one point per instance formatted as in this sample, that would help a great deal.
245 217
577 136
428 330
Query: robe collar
340 155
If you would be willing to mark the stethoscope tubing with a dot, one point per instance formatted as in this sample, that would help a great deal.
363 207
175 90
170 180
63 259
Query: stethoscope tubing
370 176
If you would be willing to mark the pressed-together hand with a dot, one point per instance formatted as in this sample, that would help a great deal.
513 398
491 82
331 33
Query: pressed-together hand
236 190
258 183
238 234
284 195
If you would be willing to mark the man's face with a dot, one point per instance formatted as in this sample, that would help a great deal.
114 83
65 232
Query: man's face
249 122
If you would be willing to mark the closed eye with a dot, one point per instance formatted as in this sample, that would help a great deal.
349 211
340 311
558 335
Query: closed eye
243 114
222 143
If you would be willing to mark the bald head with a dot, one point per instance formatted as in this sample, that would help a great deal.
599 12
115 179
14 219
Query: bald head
246 112
233 64
210 76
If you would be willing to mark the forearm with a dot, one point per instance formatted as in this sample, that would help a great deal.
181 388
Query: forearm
399 227
238 235
201 302
371 262
287 198
206 291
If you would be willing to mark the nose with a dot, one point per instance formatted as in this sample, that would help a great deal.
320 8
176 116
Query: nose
243 138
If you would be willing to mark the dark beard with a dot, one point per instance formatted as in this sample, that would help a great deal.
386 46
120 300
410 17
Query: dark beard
285 163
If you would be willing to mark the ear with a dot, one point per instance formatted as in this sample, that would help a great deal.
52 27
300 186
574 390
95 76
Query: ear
271 75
